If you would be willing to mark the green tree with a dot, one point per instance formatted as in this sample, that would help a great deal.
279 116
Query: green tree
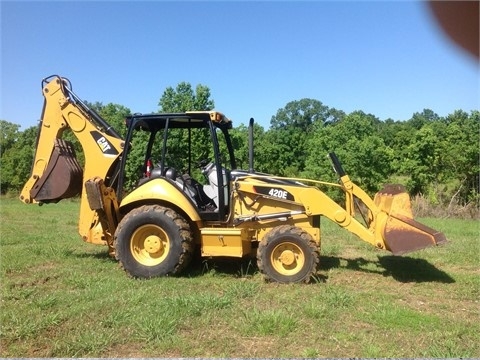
114 115
424 160
16 161
418 120
461 155
8 135
397 135
239 137
183 98
300 114
357 143
442 160
285 149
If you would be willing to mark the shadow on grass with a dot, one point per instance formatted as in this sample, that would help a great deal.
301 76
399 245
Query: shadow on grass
401 268
198 266
103 255
240 268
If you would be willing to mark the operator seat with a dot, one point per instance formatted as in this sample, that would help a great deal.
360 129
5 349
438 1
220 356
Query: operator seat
171 173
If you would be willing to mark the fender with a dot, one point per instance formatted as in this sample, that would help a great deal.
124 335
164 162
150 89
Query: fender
162 190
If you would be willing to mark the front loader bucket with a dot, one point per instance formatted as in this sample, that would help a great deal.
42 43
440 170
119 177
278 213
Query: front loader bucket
402 234
63 176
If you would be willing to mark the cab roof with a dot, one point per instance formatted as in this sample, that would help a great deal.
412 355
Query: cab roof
189 119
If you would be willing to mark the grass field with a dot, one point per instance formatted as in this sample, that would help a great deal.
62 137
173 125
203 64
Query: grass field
61 297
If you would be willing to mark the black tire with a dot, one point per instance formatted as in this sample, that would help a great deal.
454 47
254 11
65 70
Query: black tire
153 241
288 254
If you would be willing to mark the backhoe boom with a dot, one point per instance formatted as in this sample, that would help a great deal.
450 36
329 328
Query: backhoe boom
56 173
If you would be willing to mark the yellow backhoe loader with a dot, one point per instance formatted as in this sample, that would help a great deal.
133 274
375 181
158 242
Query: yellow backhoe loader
154 228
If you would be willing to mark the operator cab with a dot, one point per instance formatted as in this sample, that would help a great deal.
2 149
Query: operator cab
191 150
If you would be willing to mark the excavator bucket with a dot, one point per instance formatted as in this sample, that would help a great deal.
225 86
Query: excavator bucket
402 234
62 177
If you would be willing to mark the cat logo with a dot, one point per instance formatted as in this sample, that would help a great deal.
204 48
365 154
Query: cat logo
105 146
103 143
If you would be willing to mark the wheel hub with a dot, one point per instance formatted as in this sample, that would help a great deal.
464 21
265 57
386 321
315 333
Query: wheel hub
287 257
153 244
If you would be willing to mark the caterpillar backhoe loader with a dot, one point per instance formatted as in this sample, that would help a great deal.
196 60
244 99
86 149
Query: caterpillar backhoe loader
168 213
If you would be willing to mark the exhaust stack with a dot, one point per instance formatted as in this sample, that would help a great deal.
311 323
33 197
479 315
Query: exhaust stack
250 146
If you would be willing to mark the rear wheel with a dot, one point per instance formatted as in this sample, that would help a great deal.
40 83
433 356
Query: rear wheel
153 241
288 254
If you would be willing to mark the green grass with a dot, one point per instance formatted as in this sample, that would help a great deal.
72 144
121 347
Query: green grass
61 297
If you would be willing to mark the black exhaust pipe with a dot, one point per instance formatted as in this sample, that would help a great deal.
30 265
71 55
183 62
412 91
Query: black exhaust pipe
250 146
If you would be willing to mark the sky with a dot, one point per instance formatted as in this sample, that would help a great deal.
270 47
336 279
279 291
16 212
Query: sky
386 58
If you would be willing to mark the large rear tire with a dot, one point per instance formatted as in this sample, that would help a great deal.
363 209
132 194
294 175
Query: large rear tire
288 254
153 241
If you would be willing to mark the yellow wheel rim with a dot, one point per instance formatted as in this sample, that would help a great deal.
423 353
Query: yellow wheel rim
287 258
149 245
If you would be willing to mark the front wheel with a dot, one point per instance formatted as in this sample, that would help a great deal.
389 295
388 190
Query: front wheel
153 241
288 254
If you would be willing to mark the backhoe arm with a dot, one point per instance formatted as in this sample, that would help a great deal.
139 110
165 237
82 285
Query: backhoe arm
56 173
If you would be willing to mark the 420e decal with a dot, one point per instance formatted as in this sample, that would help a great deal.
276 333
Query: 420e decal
278 193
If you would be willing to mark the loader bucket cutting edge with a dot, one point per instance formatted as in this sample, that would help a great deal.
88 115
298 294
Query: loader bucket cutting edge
403 235
62 177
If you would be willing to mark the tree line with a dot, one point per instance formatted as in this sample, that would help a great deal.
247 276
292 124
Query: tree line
436 158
